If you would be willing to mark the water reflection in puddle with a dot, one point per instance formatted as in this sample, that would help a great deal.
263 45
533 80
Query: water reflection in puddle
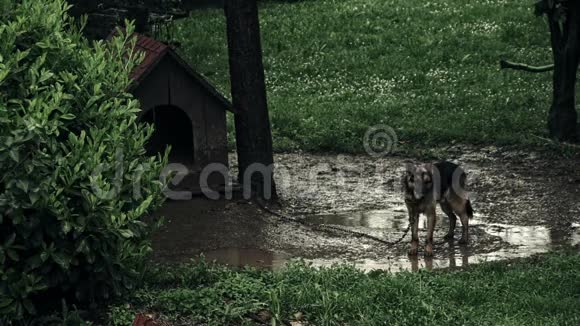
377 219
517 241
521 241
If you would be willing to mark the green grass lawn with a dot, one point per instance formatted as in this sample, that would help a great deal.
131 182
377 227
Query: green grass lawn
536 291
429 69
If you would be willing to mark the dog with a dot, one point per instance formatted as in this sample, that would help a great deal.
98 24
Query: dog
425 185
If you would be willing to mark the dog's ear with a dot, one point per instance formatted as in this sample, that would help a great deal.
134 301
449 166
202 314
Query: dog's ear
407 177
436 180
433 170
428 168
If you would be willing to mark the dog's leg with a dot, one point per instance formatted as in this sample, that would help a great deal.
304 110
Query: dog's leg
459 205
431 219
452 257
429 263
452 219
464 227
414 224
414 263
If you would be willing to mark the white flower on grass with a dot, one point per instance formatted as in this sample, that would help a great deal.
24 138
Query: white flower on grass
481 28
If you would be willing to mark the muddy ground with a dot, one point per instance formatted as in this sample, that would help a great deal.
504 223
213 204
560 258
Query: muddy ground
525 203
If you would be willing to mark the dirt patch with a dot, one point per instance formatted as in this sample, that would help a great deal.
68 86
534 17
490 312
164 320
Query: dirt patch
525 203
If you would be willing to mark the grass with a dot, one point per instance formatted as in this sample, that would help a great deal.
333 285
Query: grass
536 291
429 69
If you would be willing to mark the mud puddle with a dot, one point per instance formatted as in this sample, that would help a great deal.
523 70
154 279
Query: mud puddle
511 241
524 204
515 241
251 257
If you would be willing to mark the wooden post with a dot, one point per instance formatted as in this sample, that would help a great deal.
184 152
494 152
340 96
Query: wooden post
253 134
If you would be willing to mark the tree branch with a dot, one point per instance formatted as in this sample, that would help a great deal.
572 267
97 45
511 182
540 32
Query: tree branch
504 64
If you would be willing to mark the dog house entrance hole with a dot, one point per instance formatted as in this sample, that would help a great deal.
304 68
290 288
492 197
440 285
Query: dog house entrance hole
172 128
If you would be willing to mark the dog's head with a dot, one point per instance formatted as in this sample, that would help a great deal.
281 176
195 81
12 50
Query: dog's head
418 180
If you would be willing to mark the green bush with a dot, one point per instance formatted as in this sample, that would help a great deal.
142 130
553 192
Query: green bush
75 181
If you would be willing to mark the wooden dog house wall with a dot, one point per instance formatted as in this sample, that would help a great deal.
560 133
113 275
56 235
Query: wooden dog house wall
188 113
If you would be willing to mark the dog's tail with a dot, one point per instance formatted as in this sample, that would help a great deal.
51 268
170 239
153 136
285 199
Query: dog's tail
469 209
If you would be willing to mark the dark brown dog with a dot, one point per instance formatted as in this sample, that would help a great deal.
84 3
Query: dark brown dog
425 185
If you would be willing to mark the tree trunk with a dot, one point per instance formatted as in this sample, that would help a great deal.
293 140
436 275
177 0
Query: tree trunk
253 135
562 118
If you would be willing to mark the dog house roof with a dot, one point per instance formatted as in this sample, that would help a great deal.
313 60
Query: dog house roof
155 51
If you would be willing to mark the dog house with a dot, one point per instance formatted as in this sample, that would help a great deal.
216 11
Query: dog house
188 113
